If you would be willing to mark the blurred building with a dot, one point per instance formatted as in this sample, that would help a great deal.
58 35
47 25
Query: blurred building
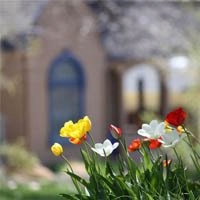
73 61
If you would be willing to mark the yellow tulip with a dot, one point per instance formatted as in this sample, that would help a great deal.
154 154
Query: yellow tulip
76 130
64 132
86 123
77 140
69 125
67 129
57 149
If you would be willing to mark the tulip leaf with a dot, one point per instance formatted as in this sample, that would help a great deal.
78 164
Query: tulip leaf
78 178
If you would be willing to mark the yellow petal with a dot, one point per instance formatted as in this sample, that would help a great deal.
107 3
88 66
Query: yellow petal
77 132
180 129
88 124
68 124
64 132
57 149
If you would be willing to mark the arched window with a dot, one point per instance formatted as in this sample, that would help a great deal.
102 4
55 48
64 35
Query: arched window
141 95
138 79
66 93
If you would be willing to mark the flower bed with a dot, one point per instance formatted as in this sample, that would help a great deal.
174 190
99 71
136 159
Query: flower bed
155 177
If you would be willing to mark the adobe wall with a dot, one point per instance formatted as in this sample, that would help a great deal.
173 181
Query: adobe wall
61 25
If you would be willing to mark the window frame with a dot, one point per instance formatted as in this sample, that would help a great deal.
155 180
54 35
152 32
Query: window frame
78 84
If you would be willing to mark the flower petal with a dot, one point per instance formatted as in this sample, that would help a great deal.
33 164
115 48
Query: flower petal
115 145
108 150
146 127
153 124
159 131
143 133
98 151
170 139
98 146
107 143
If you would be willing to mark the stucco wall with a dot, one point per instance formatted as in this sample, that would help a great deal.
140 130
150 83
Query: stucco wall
61 27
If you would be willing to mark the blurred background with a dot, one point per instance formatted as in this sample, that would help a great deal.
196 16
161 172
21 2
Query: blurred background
123 62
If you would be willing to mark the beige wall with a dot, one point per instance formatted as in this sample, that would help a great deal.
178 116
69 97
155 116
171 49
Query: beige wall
13 94
61 27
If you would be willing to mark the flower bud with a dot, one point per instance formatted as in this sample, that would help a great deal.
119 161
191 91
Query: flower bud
115 131
57 149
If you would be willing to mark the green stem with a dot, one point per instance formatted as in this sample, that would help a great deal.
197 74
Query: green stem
86 144
124 150
180 162
73 180
191 134
106 161
94 155
126 156
176 153
91 138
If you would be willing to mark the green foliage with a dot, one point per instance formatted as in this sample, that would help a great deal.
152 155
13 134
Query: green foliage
17 157
127 179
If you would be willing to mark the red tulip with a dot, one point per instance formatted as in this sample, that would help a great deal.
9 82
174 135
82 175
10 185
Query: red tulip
176 117
115 131
135 145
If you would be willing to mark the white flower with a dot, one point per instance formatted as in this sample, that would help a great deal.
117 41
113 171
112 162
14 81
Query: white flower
106 148
170 139
153 130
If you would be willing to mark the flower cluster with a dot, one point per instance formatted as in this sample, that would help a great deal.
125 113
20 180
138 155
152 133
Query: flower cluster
155 134
76 132
126 178
166 134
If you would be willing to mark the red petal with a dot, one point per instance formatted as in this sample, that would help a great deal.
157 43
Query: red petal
176 117
135 145
154 144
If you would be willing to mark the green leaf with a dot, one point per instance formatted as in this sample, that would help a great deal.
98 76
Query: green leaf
78 178
109 170
191 196
86 160
146 158
196 164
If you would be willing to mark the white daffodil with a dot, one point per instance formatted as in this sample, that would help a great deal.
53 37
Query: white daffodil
153 130
171 138
106 148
